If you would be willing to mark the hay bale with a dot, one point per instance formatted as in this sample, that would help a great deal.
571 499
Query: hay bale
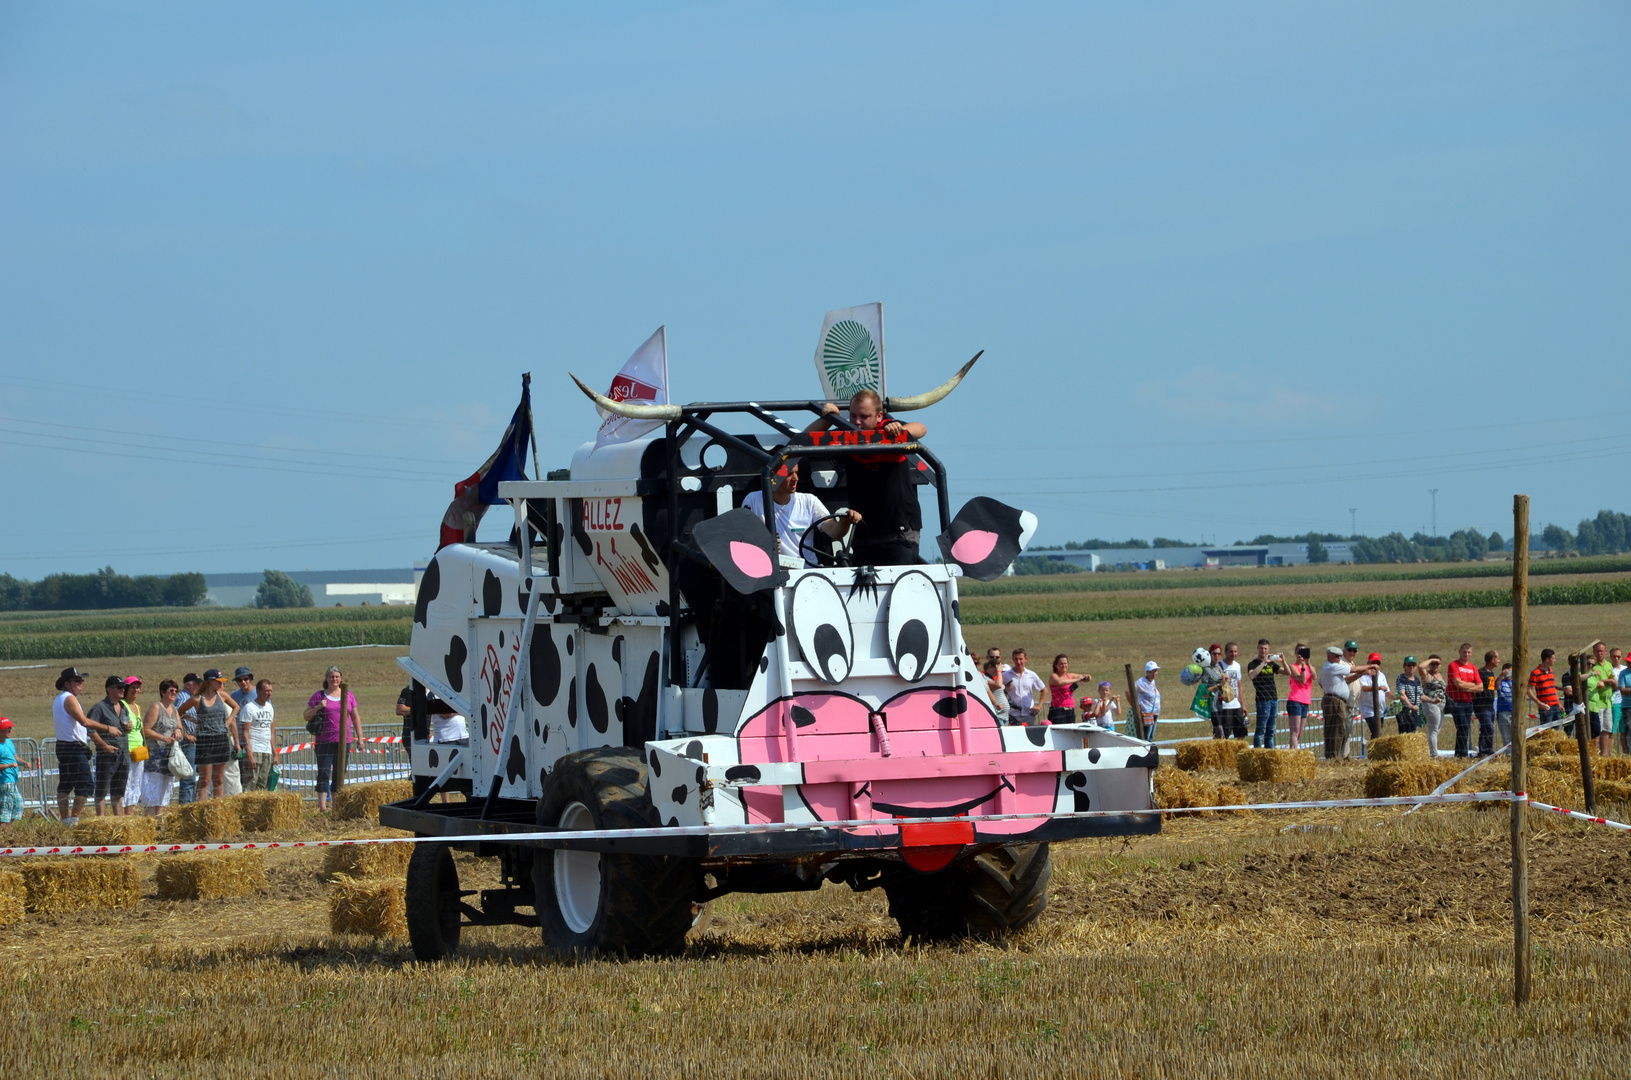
116 832
1397 748
1229 795
269 811
210 875
1610 768
364 800
1550 741
217 819
81 883
360 861
1393 779
1613 791
13 897
1277 766
373 907
1207 754
1175 788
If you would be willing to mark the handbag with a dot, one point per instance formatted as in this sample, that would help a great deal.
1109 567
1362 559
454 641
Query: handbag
138 753
315 724
177 763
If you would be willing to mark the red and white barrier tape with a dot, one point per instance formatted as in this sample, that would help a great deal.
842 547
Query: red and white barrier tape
292 747
745 830
1583 817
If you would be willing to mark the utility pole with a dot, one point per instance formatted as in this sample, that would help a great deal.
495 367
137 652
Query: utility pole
1353 530
1434 493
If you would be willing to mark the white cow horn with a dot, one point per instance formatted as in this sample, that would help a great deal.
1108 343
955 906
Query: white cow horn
623 408
923 401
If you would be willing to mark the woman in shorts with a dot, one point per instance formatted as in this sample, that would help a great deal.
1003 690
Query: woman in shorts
217 736
1300 692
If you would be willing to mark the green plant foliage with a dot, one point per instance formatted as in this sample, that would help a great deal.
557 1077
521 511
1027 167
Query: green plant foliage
103 589
279 590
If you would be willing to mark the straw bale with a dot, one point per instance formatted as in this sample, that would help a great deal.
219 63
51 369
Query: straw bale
13 897
1229 795
116 831
364 800
367 861
210 875
373 907
1614 791
1392 779
216 819
1397 748
81 882
269 811
1207 754
1610 768
1274 765
1550 741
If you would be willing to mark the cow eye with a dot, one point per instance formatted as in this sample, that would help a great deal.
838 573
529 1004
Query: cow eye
916 625
821 628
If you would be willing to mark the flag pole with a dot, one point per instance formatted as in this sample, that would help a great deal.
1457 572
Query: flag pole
532 425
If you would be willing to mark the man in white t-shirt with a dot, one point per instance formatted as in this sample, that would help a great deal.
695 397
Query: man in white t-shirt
1336 678
1024 687
796 511
1373 711
255 728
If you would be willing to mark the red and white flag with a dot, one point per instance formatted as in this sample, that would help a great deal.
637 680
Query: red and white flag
644 380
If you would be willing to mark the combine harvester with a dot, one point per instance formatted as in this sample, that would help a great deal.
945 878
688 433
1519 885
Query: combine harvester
698 714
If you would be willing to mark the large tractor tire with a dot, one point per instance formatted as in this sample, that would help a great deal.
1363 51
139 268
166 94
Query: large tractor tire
987 897
590 901
432 902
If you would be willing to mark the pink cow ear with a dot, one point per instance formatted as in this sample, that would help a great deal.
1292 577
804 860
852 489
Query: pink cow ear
986 537
742 549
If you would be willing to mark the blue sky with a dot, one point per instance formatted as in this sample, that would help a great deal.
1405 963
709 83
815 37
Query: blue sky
270 273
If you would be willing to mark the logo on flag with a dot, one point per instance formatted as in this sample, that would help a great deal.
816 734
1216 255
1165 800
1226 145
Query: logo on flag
644 379
849 355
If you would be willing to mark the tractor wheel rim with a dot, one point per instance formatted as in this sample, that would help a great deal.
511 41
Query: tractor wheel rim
577 874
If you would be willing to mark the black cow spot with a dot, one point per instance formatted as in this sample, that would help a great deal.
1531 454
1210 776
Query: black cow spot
673 821
453 663
569 639
953 706
484 723
802 717
581 537
679 793
617 650
700 774
1076 781
1093 755
693 750
516 767
656 764
1151 760
641 724
742 772
492 594
430 586
594 700
544 738
1083 803
537 729
956 609
572 700
433 760
662 608
968 676
544 665
710 710
647 555
501 639
764 663
521 598
543 774
549 600
1036 733
559 535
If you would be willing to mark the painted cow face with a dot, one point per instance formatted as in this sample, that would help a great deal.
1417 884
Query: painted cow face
915 626
840 742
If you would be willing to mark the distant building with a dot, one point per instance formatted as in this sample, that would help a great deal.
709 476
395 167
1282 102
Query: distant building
1174 557
347 588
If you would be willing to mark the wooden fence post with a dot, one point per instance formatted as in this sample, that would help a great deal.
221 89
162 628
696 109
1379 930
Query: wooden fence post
1522 951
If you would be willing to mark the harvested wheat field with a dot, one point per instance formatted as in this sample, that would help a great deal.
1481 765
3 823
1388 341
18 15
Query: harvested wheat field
1263 943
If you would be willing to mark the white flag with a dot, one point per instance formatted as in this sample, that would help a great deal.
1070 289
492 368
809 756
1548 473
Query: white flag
849 356
643 379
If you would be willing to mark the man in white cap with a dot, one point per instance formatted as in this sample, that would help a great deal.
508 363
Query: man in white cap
1337 695
1149 700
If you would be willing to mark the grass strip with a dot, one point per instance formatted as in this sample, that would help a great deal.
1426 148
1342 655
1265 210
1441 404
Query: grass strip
37 622
1603 592
203 641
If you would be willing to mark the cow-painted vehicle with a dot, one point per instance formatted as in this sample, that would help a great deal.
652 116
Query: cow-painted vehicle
675 710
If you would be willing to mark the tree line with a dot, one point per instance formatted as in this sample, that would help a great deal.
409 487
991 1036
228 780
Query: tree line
103 589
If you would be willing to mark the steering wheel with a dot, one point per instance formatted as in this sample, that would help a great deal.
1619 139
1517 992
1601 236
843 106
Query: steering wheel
822 558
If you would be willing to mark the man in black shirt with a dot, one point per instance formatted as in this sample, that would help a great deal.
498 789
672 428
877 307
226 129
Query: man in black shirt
1483 703
112 750
881 488
1261 671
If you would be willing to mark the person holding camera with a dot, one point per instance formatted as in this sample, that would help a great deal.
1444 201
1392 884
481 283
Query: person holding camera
1299 692
1261 670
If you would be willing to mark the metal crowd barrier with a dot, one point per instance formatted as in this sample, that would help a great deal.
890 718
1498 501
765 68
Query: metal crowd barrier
381 756
37 776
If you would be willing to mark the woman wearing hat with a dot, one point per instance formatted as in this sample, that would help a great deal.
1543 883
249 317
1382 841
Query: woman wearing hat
73 746
217 734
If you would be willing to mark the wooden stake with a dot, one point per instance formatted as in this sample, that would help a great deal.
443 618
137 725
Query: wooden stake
1522 951
1132 705
345 740
1582 727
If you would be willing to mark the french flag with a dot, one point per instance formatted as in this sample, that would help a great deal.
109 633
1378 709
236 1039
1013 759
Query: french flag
472 496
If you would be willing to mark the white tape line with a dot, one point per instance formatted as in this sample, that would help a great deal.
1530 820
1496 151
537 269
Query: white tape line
748 830
1451 782
1583 817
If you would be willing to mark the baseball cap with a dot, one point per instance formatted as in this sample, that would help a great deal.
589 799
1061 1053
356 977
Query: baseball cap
191 676
132 680
1410 659
1105 685
1374 658
1333 650
5 724
1151 665
112 681
243 673
213 673
1354 645
69 673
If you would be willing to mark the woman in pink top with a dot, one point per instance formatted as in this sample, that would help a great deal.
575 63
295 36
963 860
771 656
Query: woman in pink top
1301 694
1062 691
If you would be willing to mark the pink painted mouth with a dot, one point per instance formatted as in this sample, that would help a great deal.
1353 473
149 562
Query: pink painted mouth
974 546
751 560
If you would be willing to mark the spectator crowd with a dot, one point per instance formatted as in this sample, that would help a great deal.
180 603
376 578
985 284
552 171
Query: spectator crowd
1352 690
